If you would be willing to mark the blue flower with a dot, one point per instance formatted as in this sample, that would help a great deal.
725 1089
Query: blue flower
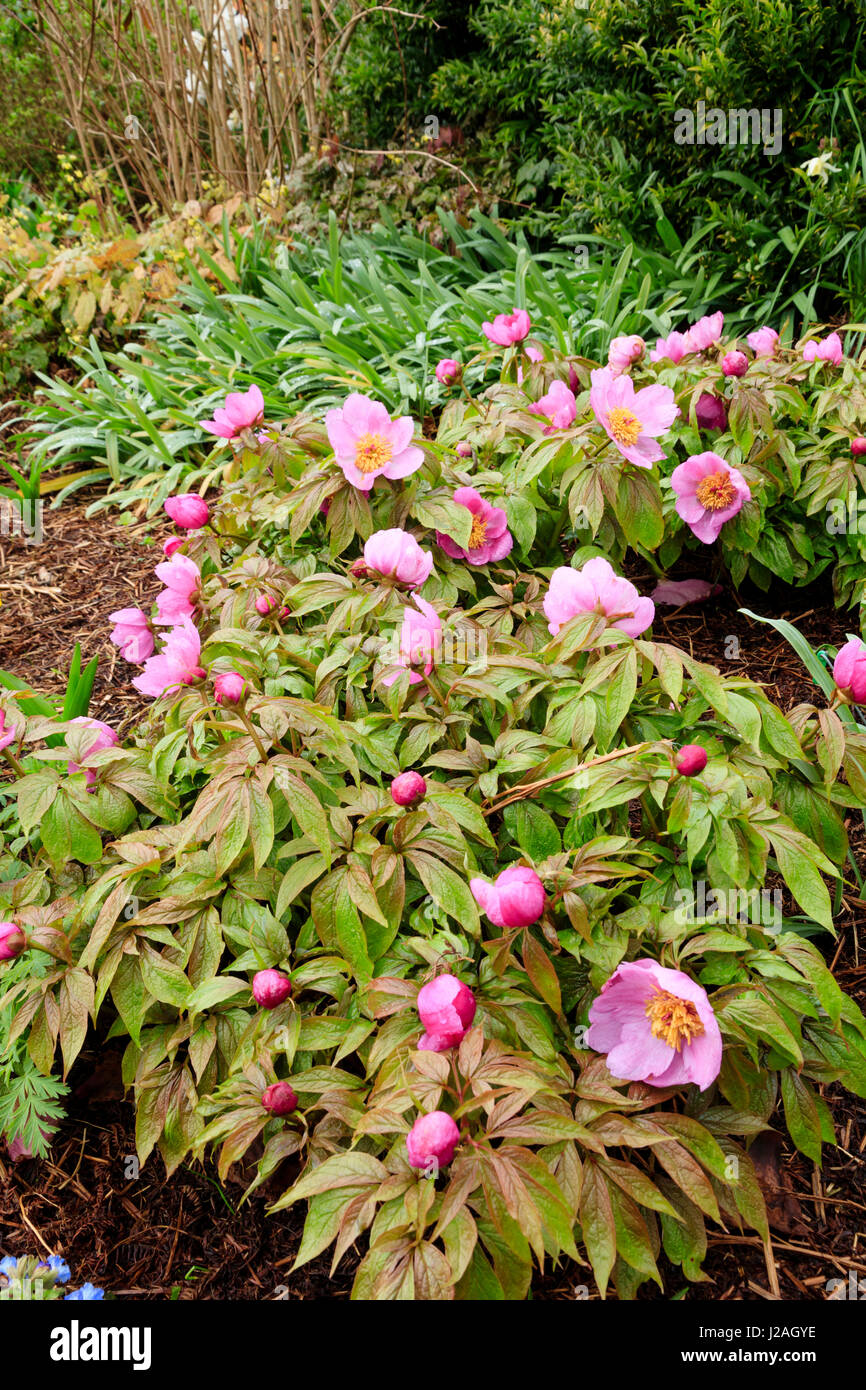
9 1266
61 1269
87 1291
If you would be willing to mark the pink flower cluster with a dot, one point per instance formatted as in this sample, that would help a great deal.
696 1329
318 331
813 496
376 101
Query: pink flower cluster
700 336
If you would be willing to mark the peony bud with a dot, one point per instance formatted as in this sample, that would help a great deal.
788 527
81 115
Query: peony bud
858 445
432 1140
691 760
735 363
280 1099
849 670
265 604
229 688
464 450
12 940
270 988
448 371
710 412
516 899
188 510
446 1008
358 569
408 788
172 544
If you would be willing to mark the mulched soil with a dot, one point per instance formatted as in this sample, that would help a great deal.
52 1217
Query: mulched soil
61 591
187 1237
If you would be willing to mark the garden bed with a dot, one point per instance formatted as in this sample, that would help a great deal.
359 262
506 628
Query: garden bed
186 1237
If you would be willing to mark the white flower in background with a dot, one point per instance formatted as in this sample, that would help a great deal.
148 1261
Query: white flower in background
194 88
234 120
819 167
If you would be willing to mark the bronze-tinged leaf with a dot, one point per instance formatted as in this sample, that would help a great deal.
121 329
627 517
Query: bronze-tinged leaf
597 1224
542 975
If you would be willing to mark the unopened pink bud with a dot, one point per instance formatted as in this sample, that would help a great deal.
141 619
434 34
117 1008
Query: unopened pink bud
265 604
710 412
858 445
270 988
172 544
280 1099
408 788
446 1008
229 688
735 363
464 450
691 760
188 510
432 1140
12 940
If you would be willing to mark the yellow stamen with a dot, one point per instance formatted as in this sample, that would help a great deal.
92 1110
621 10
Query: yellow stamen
624 425
715 492
478 534
372 453
673 1020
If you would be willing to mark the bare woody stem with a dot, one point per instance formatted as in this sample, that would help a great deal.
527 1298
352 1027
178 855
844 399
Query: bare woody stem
529 788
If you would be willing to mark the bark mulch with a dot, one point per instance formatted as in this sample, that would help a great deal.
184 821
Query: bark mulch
187 1237
61 591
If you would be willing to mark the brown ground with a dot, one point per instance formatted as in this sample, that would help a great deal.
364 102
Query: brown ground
185 1237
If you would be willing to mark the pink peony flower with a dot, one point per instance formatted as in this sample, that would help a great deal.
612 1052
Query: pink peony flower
507 329
7 731
710 412
489 539
624 351
395 554
464 450
228 688
828 349
763 342
559 406
633 419
181 577
12 940
446 1008
432 1140
187 510
849 670
709 492
448 371
172 544
368 444
280 1099
176 665
420 641
706 331
132 634
595 588
673 348
271 988
265 604
242 411
676 592
735 363
104 737
691 760
515 899
408 788
656 1025
858 445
